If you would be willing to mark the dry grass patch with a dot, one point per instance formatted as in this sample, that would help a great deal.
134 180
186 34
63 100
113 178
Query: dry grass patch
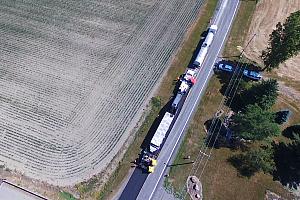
267 14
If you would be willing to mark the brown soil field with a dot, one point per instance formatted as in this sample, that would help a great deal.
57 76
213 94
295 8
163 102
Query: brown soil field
267 14
75 76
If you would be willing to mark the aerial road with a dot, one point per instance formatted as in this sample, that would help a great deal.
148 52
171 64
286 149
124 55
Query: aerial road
142 186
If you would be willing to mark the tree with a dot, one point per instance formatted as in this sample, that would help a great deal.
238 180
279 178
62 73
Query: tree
284 42
264 94
261 159
287 159
255 123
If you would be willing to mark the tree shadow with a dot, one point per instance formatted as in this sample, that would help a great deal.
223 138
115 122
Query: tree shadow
216 133
291 130
222 137
196 51
243 168
233 84
287 160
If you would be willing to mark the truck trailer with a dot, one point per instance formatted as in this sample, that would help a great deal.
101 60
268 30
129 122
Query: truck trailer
149 155
204 47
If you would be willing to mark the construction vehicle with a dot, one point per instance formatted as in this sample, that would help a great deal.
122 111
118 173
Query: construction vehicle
148 159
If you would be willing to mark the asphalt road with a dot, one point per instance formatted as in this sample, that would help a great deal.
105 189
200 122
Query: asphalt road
149 186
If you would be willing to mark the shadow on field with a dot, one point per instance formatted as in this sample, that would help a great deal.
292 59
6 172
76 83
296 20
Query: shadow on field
219 136
216 133
242 166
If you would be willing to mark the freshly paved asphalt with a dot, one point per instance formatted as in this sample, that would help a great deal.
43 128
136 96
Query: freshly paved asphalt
142 186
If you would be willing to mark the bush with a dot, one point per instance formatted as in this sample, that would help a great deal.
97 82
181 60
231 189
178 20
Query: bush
156 102
66 196
248 164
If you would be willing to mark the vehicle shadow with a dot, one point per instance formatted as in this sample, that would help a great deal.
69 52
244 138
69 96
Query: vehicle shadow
155 124
167 107
233 83
196 51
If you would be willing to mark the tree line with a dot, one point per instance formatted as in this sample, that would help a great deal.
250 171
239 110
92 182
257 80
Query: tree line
284 42
255 126
256 122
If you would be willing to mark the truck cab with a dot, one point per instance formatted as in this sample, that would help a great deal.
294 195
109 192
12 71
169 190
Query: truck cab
175 103
147 162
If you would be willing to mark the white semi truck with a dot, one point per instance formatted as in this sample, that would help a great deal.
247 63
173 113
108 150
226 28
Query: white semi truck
204 47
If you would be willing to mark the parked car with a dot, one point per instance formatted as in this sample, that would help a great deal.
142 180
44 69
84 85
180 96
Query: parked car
252 74
225 67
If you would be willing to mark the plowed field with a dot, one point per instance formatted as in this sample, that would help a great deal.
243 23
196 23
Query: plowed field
74 75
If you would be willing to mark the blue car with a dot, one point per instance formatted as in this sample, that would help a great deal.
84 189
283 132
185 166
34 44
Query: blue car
226 68
252 74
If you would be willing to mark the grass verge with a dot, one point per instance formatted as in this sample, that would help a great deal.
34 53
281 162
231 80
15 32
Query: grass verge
220 179
66 196
177 67
240 29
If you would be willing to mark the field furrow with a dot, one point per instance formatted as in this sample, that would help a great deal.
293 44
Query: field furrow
74 76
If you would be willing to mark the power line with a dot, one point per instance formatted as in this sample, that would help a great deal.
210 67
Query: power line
212 128
232 86
218 133
239 80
